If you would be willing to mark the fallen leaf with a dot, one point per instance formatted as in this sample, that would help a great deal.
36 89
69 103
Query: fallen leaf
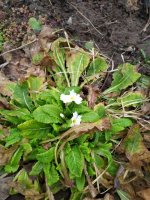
3 85
5 187
108 197
6 154
134 147
93 92
145 194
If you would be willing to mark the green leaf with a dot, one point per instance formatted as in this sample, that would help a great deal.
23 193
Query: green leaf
35 84
98 161
100 110
36 169
19 114
35 24
47 156
33 129
50 97
76 194
37 58
131 99
96 66
113 168
117 126
80 182
89 45
124 77
51 174
14 162
59 57
123 195
75 161
104 150
13 138
21 96
23 179
86 151
27 148
47 114
77 61
90 117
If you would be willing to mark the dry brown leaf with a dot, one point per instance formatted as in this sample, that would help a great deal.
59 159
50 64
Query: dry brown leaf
45 37
146 109
134 147
108 197
5 187
93 92
145 194
102 124
6 154
30 194
3 85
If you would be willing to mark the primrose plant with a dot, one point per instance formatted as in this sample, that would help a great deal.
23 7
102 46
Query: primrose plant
66 143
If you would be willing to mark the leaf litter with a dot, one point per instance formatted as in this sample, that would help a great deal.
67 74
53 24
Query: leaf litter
100 158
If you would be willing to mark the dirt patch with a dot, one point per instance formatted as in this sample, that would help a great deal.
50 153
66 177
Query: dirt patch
113 26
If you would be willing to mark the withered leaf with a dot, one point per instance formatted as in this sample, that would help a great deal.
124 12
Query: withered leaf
93 92
102 124
134 147
6 154
145 194
5 187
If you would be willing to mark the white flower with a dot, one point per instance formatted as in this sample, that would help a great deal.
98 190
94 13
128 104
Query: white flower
76 119
71 97
62 115
65 98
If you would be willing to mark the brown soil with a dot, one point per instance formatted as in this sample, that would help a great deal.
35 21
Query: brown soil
115 27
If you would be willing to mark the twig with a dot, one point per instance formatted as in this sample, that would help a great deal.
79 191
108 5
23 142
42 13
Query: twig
18 48
85 17
3 65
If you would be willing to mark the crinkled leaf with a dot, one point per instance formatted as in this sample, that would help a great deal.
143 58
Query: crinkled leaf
16 115
96 66
37 58
98 161
14 162
117 126
90 117
35 24
47 156
13 138
49 97
59 57
125 76
89 45
47 114
35 84
100 109
23 178
80 182
104 150
51 174
131 99
33 129
77 61
75 161
21 96
6 154
134 146
36 169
